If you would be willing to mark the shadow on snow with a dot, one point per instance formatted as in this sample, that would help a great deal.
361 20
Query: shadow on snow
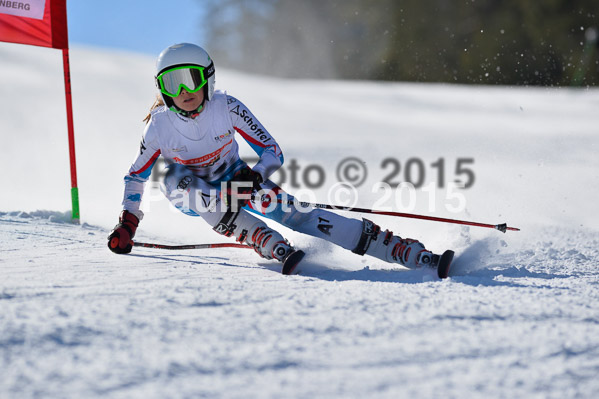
468 268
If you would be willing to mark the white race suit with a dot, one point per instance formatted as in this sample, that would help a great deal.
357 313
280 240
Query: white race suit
202 152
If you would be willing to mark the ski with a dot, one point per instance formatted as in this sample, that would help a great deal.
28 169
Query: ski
444 264
291 262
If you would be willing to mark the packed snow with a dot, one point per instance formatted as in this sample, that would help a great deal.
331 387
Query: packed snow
518 317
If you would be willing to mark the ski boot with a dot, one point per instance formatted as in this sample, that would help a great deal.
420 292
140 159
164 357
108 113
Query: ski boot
282 250
267 242
405 251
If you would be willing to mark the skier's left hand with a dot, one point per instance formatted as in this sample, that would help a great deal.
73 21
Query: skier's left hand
236 196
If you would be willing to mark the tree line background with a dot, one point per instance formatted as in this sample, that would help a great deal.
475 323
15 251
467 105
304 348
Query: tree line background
510 42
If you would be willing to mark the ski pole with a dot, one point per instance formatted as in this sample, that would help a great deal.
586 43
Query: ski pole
189 246
503 227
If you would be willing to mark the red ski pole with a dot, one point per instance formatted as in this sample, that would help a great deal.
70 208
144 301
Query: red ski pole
189 246
503 227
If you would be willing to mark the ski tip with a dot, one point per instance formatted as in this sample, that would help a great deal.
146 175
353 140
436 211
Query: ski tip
291 262
445 264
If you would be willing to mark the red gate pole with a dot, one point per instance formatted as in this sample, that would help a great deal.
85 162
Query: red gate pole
71 134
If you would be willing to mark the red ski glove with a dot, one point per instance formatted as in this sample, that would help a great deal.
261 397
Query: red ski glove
119 240
240 193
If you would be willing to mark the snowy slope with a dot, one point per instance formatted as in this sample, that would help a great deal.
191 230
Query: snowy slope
519 316
78 321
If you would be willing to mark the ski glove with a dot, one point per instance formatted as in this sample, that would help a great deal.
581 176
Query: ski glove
119 240
236 196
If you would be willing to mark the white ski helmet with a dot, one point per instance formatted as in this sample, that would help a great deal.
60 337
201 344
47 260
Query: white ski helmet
182 55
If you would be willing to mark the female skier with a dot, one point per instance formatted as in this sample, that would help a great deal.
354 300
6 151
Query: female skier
194 128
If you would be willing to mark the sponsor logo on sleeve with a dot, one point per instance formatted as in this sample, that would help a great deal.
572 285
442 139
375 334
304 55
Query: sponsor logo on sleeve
253 126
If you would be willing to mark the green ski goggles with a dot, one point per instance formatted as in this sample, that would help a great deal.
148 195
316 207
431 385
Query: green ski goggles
189 77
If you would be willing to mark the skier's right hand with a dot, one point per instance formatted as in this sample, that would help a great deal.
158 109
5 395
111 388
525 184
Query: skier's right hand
119 240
